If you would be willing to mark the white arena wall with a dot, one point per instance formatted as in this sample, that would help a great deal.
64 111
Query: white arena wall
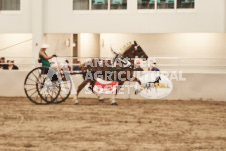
19 21
88 45
169 44
57 44
57 16
196 87
16 44
208 16
17 47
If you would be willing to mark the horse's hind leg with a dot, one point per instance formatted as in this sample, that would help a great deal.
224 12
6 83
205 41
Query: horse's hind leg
92 84
80 87
100 98
113 102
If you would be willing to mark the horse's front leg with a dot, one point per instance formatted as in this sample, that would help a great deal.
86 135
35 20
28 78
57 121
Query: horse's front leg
80 87
138 90
113 102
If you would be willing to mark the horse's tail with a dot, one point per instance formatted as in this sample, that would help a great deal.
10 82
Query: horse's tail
83 70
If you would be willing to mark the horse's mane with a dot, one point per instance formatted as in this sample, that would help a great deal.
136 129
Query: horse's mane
126 49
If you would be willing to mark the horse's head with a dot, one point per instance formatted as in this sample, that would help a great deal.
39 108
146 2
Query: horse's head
136 50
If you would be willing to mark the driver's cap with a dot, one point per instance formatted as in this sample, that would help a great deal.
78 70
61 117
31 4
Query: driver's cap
44 46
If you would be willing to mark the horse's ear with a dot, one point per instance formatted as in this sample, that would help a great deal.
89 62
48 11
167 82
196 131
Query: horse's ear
135 43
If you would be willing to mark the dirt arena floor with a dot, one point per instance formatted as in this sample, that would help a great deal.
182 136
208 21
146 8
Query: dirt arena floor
133 125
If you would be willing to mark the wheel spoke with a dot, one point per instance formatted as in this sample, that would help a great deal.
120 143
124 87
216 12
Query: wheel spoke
61 96
39 72
32 80
35 77
31 84
51 97
33 93
36 98
46 97
31 89
43 79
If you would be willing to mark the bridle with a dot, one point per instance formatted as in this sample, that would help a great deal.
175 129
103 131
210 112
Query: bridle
137 47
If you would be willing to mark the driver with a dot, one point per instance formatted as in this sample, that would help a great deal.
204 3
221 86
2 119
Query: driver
44 59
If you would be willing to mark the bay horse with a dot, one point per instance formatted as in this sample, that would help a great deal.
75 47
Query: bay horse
120 69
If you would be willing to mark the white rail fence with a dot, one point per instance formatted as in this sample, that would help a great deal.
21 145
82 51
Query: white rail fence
184 64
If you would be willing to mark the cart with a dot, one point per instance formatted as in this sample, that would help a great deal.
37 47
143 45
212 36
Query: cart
44 85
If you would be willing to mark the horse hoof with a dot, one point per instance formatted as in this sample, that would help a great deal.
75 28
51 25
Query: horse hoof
136 92
101 100
114 103
76 103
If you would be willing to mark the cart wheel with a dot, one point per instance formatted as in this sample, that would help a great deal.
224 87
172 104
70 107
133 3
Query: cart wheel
36 91
65 87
